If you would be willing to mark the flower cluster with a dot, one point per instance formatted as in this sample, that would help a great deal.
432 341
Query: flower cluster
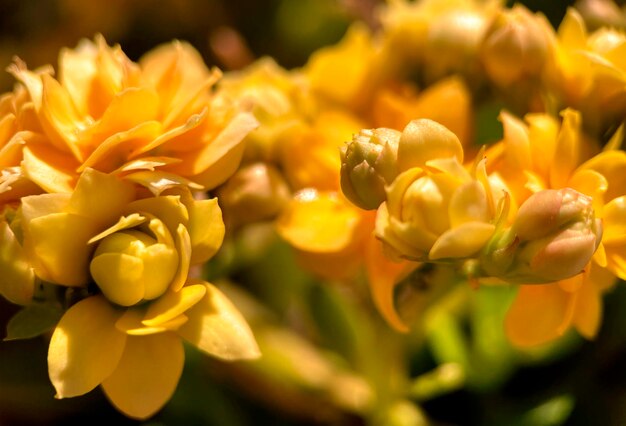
423 191
99 170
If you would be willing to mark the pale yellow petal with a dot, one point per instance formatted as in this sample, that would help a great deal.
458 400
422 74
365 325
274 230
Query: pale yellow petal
85 347
147 374
468 203
206 229
463 241
158 181
216 327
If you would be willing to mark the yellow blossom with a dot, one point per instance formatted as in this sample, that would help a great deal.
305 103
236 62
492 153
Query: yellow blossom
588 72
435 209
309 152
126 334
111 114
544 154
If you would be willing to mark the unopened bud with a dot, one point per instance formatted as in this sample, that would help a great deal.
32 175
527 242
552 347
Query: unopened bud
515 47
255 193
552 238
368 164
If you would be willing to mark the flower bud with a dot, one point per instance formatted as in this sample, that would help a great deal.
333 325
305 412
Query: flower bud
515 47
368 164
132 266
256 192
453 42
552 238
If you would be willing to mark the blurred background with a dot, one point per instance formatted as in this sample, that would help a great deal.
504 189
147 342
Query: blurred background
584 385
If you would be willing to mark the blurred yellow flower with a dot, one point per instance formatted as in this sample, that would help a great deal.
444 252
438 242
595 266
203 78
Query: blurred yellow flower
111 114
587 72
137 252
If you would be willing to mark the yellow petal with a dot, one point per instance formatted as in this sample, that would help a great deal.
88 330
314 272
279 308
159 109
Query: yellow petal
383 275
230 138
49 168
319 222
85 347
147 374
59 241
588 311
145 163
129 108
206 229
17 279
539 314
114 150
119 276
567 149
131 323
183 247
216 327
172 304
168 209
468 203
614 222
100 196
158 181
463 241
423 140
518 154
125 222
611 165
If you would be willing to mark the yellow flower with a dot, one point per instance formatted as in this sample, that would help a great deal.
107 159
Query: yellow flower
435 209
18 126
137 253
309 152
588 72
395 106
111 114
442 36
342 73
279 99
544 154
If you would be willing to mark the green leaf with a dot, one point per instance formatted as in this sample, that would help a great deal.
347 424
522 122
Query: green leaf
33 320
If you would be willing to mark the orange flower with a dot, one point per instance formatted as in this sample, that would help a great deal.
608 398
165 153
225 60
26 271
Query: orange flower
111 114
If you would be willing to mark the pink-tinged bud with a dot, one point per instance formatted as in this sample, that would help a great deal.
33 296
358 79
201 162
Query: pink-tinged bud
552 238
368 164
